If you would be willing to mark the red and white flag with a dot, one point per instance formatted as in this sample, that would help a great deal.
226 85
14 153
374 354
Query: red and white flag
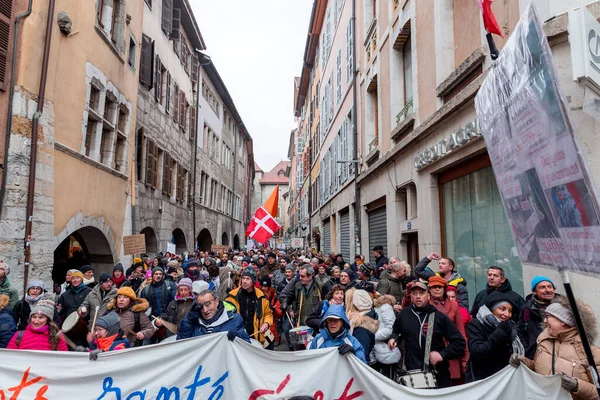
262 226
489 20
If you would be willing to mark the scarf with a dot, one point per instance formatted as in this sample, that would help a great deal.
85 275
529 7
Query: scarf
540 306
491 322
31 299
88 281
118 281
78 288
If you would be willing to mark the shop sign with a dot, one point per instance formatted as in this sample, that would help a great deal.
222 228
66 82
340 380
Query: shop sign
584 38
455 140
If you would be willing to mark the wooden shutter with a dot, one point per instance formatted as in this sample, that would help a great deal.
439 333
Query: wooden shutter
167 175
150 170
192 122
175 33
146 62
157 80
167 16
176 103
190 196
168 94
182 109
5 28
195 68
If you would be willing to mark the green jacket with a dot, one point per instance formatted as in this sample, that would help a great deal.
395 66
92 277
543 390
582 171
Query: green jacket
12 292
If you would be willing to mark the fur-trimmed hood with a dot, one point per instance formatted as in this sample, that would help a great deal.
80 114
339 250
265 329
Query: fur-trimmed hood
364 321
588 318
385 299
4 300
137 305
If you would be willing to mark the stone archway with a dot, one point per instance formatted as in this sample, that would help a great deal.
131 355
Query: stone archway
151 242
204 240
179 239
236 241
225 239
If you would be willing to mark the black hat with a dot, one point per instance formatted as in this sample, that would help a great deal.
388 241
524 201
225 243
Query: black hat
86 268
118 267
104 277
265 281
378 248
250 273
271 254
350 273
364 285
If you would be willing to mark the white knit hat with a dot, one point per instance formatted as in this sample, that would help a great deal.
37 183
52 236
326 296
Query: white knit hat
561 313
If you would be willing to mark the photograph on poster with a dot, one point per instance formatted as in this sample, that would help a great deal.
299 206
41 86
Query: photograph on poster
573 205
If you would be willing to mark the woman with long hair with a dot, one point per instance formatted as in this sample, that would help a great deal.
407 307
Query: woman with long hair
41 333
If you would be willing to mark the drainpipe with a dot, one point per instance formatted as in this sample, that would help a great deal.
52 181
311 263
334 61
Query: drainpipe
34 128
197 105
10 99
357 164
233 186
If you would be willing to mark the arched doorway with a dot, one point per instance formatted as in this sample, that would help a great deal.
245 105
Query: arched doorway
204 240
236 242
179 239
87 245
151 242
225 239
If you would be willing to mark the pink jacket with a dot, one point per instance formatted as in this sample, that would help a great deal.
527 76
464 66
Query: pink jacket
36 339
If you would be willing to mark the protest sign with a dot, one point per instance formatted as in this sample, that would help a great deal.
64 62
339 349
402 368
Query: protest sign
217 248
297 243
134 244
212 367
171 248
541 174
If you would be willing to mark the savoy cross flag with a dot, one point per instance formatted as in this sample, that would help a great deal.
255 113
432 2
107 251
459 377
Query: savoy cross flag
263 224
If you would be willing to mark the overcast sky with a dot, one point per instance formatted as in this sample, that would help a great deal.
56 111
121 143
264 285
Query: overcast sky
257 46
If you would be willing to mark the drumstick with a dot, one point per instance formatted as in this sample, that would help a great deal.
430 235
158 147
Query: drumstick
69 342
289 318
95 317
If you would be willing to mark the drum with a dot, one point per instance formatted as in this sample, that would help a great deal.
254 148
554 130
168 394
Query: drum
169 339
300 336
70 322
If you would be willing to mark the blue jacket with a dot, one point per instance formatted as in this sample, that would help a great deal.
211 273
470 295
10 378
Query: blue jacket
159 296
7 326
193 325
324 340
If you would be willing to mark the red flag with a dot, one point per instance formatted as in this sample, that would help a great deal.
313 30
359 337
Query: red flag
489 20
262 226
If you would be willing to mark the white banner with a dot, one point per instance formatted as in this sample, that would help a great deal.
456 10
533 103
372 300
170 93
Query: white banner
212 367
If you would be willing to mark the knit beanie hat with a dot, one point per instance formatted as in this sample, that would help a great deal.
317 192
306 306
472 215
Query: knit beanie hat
43 307
362 300
86 268
35 283
104 277
76 273
149 274
186 282
157 269
118 267
538 279
561 313
250 273
291 268
437 281
137 260
127 291
110 322
4 267
350 273
173 264
366 269
265 281
191 263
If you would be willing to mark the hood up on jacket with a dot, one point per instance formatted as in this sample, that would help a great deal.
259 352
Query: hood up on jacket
338 311
137 305
497 296
588 318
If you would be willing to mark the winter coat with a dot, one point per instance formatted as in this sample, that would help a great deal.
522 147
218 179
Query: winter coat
193 325
275 309
134 281
392 286
324 340
93 299
7 323
490 350
127 315
71 300
9 290
268 270
294 294
177 310
323 279
530 326
452 310
263 310
379 263
159 295
363 327
462 295
278 278
314 318
386 317
111 343
36 339
226 282
411 328
505 288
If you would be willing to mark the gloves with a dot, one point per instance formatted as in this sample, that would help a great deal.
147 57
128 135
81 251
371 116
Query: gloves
231 335
506 328
568 383
345 348
80 349
515 360
94 354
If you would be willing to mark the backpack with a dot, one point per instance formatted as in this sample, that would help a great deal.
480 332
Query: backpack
19 338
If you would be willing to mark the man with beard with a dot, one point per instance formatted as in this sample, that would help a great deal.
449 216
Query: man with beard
271 267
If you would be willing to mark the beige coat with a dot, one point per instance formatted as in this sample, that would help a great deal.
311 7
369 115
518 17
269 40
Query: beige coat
569 358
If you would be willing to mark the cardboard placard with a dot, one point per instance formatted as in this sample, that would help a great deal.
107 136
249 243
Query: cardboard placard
134 244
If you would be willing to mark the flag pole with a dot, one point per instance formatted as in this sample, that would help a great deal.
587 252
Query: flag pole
494 53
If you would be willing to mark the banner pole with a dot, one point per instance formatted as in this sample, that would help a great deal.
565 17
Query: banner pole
584 340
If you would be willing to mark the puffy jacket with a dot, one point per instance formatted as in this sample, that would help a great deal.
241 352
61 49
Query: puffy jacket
324 340
263 310
7 323
392 286
127 315
36 339
159 295
530 326
363 327
111 343
9 290
314 318
386 317
93 299
71 299
505 288
193 325
462 294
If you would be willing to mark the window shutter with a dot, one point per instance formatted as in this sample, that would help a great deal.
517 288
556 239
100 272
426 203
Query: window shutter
157 80
182 109
192 122
167 16
175 25
146 62
6 8
168 94
175 103
150 175
195 68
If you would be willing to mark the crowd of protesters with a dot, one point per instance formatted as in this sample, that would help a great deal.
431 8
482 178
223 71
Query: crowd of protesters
381 313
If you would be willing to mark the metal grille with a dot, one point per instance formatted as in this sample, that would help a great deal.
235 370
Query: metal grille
326 238
377 231
345 236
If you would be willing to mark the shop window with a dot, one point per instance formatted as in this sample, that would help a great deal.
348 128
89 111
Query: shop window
475 231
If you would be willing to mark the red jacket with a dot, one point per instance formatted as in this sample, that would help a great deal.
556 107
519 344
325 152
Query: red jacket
36 339
275 308
451 308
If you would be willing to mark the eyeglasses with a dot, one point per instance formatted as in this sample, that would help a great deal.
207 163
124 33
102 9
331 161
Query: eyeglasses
207 303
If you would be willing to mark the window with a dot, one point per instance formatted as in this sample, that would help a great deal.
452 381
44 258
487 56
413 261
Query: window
338 78
5 29
151 164
182 110
94 102
176 103
327 37
372 111
168 165
132 52
146 62
349 51
167 17
408 79
139 149
89 136
159 81
119 153
190 192
193 122
105 148
110 17
180 183
168 92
